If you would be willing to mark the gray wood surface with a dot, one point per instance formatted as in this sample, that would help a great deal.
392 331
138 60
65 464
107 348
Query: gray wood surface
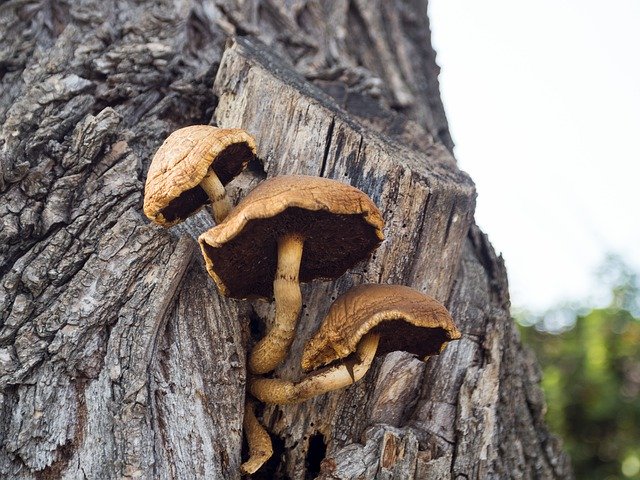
118 358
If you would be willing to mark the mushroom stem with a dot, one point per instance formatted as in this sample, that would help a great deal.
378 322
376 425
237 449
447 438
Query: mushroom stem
272 349
260 448
220 203
278 391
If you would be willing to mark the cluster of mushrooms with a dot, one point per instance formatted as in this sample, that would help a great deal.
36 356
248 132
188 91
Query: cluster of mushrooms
290 229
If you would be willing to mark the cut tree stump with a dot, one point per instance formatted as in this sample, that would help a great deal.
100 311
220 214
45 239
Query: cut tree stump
426 202
118 357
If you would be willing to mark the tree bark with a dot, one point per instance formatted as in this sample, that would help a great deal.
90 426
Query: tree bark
118 358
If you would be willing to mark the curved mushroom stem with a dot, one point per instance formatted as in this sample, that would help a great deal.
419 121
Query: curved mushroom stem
220 203
260 447
275 390
272 349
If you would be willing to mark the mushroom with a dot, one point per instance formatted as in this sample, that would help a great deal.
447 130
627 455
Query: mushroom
191 168
370 320
289 229
274 390
343 374
260 447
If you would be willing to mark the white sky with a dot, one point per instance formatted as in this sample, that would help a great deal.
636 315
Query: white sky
543 102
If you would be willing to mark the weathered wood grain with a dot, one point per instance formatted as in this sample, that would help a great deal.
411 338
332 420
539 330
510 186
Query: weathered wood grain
373 56
426 202
118 359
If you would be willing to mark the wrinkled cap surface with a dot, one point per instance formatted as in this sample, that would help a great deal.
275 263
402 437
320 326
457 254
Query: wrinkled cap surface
339 223
406 319
172 191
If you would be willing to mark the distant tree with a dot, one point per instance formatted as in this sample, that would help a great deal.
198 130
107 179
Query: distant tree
591 377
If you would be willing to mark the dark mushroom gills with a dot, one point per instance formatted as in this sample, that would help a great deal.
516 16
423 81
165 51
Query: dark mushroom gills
289 229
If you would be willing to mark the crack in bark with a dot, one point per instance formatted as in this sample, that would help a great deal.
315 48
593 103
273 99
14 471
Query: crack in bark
156 82
327 147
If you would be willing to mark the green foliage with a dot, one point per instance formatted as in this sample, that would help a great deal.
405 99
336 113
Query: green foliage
591 378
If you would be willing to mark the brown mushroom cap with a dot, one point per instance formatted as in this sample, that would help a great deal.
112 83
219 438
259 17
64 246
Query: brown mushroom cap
340 226
407 320
172 191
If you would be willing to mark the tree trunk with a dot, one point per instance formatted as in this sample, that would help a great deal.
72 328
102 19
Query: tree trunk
118 357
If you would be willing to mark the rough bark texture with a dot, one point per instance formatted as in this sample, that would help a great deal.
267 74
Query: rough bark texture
119 359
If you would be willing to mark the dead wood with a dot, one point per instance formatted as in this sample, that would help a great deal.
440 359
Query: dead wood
118 358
